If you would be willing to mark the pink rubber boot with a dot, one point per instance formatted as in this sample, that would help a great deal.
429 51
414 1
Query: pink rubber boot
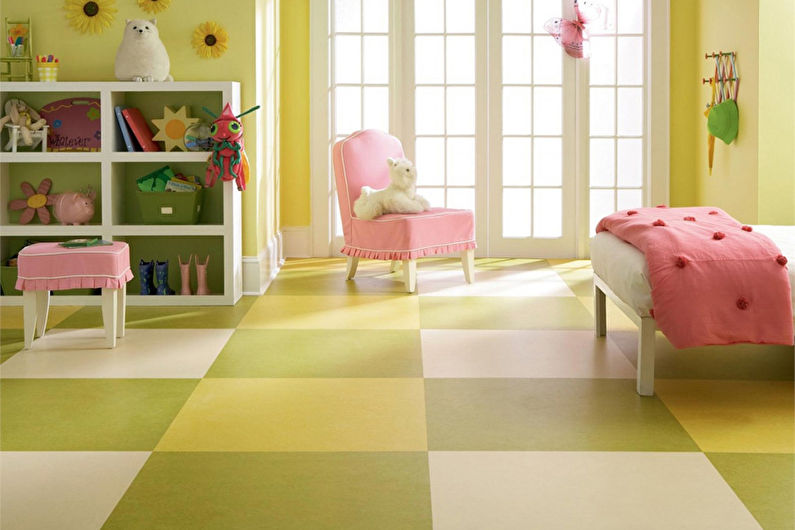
184 272
201 276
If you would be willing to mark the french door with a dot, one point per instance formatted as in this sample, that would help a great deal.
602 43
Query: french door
496 117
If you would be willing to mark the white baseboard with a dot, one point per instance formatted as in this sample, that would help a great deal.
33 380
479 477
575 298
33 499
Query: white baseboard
259 271
296 242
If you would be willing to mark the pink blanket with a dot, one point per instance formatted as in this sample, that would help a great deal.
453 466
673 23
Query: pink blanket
713 280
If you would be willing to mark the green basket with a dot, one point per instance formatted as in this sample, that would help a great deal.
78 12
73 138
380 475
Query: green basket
170 207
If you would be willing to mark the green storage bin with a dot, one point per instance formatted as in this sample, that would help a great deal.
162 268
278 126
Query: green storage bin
170 207
8 279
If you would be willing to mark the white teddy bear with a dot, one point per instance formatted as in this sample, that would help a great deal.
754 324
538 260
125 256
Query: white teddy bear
399 197
141 55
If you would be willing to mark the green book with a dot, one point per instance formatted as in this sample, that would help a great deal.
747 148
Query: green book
75 243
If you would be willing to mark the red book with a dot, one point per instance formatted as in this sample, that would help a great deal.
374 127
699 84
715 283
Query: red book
140 129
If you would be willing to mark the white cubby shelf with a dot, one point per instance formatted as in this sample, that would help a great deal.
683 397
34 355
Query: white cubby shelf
112 171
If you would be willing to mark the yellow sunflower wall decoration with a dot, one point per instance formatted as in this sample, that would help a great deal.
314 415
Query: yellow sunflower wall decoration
210 40
154 6
91 16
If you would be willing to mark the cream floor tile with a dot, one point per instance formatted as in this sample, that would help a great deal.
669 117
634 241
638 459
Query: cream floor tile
447 282
400 311
594 490
521 353
63 490
616 319
142 353
11 316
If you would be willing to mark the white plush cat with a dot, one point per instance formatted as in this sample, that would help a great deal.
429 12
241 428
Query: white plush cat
141 55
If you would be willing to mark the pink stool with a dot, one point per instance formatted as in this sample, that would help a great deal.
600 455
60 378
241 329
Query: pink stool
45 267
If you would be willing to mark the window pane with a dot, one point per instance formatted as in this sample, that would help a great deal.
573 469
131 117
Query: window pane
460 16
517 158
429 16
461 161
516 110
435 196
547 161
461 110
630 60
630 111
516 60
461 60
630 16
516 212
602 164
429 109
429 57
461 198
430 161
516 15
347 16
376 108
603 60
607 24
347 59
601 206
547 61
548 213
376 60
629 199
376 16
543 10
602 111
630 162
548 110
348 109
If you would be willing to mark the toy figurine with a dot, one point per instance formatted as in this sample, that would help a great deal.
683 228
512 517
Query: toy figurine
228 159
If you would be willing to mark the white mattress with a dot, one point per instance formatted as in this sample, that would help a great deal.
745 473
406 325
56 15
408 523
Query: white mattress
624 268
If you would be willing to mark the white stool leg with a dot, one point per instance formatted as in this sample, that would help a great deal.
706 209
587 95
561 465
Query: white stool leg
468 262
109 315
42 310
121 312
410 274
645 382
599 312
353 264
29 299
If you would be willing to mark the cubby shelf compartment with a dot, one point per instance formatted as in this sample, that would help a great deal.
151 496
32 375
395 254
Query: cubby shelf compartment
111 169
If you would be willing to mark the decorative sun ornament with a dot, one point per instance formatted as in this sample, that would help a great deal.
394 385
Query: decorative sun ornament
91 16
154 6
210 40
171 128
36 202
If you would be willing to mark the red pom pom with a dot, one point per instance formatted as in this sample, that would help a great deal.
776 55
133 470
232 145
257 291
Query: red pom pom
681 261
742 303
661 206
781 260
659 222
713 212
690 218
631 212
718 235
651 312
747 228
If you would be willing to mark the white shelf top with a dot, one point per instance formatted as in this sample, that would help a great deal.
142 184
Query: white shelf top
116 86
168 230
160 156
97 156
51 156
50 230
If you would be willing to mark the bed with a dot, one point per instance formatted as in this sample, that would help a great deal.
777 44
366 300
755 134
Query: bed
620 273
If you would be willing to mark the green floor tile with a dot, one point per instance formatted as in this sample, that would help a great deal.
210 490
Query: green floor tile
548 415
320 353
370 279
482 312
278 490
88 414
579 280
11 342
764 482
167 317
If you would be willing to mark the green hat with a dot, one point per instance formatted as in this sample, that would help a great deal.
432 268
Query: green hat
723 121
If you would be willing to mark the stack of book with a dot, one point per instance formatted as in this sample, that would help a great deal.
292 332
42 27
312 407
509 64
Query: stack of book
135 132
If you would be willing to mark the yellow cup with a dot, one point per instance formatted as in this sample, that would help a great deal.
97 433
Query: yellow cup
48 72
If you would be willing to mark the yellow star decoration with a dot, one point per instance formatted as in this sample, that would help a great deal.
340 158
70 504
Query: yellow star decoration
171 128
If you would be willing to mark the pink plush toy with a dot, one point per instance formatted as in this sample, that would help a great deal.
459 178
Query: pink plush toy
228 159
74 208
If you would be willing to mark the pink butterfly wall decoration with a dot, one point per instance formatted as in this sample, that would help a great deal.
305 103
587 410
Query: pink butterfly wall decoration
573 35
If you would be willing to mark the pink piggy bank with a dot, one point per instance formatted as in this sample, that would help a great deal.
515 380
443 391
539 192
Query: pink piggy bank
74 208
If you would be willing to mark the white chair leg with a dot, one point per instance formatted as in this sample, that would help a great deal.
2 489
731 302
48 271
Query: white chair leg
121 312
110 315
599 312
394 266
410 274
468 262
353 263
42 310
645 382
29 300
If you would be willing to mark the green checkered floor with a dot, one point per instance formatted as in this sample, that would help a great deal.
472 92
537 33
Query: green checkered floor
334 404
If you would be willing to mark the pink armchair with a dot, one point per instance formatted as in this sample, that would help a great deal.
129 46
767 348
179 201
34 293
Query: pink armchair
359 160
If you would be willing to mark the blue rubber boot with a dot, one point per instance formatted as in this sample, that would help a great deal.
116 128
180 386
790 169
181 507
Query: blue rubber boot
161 271
146 271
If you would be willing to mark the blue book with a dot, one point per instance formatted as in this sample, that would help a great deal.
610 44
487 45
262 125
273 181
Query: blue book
125 132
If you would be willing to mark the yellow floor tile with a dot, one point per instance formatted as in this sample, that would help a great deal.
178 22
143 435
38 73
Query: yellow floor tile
334 312
301 415
11 316
733 416
616 319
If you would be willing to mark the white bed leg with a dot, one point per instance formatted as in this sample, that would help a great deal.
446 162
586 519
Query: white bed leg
410 274
645 383
599 312
394 266
468 262
353 264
